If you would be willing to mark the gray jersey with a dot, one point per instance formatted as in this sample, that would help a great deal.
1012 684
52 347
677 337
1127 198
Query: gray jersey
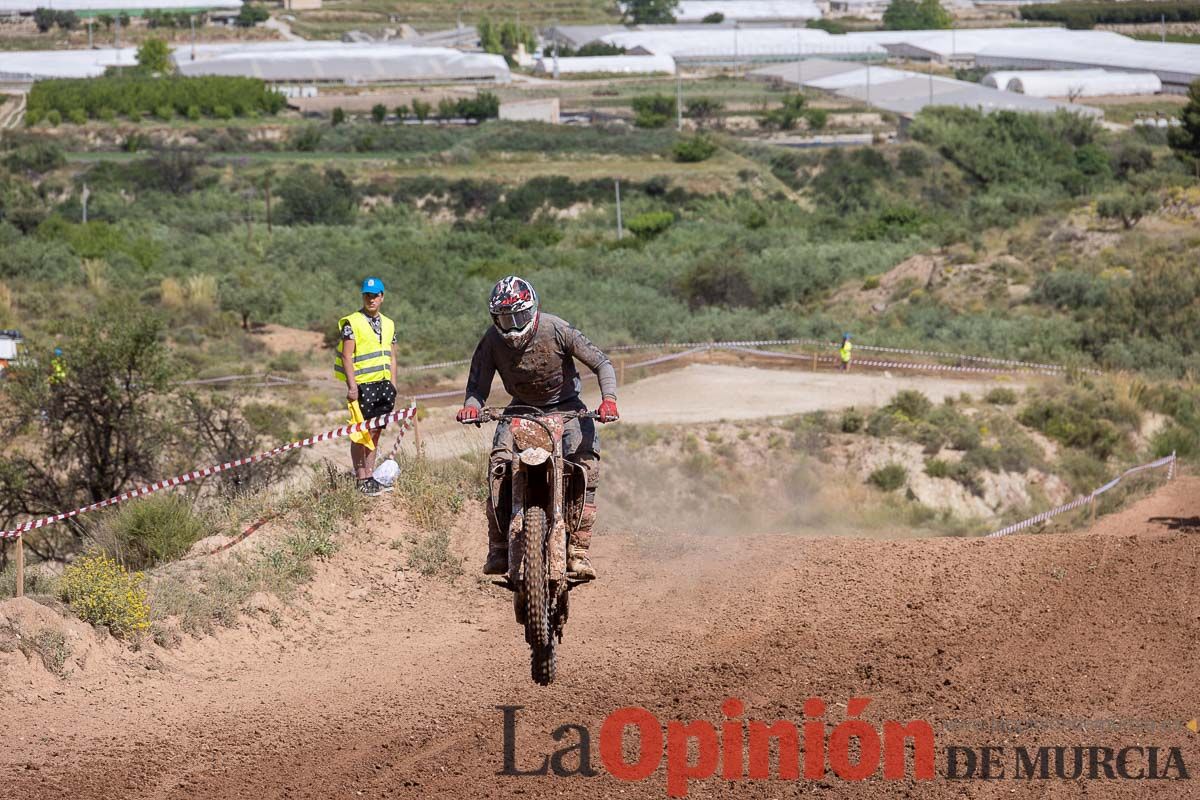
543 373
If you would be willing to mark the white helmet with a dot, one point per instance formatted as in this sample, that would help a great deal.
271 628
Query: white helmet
514 309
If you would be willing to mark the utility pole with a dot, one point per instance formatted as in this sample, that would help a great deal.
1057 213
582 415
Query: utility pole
117 29
620 226
192 19
799 58
268 193
89 24
678 99
555 29
84 199
1163 23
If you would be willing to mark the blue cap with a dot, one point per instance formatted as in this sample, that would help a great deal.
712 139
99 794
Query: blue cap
372 286
845 336
58 351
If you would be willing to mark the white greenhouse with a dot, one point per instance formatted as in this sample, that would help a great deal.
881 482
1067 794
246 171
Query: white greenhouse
342 62
747 10
1075 82
88 7
607 65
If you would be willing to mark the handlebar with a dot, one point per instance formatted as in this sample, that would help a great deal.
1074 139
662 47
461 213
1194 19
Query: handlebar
497 415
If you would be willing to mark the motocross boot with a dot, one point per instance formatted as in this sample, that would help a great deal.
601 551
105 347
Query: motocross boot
578 563
497 557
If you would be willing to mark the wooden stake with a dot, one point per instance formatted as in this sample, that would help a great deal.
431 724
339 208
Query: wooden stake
417 430
20 591
814 362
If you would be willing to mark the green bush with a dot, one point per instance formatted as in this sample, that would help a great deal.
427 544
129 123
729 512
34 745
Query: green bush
653 111
251 15
311 198
1127 207
916 15
223 112
911 403
165 113
852 421
1001 396
889 478
53 118
38 156
338 117
937 468
102 592
77 116
194 113
149 532
1072 425
787 115
817 118
650 224
379 112
694 149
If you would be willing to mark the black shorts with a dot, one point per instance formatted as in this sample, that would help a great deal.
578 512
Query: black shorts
376 398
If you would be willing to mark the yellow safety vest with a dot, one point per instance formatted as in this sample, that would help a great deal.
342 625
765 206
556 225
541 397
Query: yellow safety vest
58 371
372 357
845 351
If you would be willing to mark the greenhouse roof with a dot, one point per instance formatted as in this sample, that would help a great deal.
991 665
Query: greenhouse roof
697 10
133 6
341 61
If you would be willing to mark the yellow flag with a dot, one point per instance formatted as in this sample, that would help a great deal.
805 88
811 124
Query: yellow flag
362 437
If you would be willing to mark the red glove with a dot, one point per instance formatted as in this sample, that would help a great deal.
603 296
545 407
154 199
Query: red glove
468 414
608 410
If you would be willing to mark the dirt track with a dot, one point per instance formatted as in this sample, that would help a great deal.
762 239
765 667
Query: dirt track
714 392
383 684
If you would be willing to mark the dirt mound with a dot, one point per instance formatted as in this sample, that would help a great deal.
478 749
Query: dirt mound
382 683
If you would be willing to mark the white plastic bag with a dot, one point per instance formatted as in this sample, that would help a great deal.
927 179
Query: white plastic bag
387 472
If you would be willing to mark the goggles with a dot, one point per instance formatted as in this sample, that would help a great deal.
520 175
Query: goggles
507 323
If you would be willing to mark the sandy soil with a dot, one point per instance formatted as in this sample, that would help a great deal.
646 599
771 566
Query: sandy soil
381 683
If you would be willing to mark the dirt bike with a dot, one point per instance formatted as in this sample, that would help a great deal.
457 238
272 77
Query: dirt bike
547 504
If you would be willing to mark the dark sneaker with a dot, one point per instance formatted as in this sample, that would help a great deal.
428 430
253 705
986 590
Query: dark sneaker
497 562
370 487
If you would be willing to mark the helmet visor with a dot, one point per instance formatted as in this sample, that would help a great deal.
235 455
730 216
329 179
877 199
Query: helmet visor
508 323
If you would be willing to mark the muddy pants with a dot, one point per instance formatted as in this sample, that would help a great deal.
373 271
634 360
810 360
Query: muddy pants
581 445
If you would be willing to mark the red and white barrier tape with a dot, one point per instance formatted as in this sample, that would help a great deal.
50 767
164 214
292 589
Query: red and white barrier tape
737 344
1165 461
336 433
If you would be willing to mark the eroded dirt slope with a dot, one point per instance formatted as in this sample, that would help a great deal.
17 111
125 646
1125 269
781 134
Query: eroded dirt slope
382 684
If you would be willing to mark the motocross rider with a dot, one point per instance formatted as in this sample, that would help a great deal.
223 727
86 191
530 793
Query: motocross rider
535 354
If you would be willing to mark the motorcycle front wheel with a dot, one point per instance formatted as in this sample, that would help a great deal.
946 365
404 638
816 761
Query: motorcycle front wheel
538 631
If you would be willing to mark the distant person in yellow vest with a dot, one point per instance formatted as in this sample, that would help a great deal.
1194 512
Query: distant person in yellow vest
844 352
58 368
368 344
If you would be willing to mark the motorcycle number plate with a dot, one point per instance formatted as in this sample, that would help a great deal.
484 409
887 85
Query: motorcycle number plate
534 456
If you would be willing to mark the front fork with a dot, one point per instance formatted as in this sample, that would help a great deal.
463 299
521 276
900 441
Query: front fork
556 522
